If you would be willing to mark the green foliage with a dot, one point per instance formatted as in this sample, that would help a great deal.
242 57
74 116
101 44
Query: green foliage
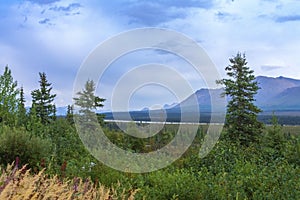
70 114
230 171
8 98
42 101
86 119
86 99
34 124
266 169
67 148
19 143
241 118
22 115
274 140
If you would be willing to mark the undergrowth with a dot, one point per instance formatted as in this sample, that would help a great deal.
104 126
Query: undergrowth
20 184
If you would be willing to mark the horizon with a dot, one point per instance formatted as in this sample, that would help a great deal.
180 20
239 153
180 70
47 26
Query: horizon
149 107
165 106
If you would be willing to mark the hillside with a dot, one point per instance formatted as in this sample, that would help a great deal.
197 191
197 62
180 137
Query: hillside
276 94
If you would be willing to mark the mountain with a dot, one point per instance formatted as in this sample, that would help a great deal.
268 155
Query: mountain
280 95
276 94
289 99
201 98
61 111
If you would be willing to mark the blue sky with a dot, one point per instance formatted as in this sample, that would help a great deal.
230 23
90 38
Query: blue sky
55 36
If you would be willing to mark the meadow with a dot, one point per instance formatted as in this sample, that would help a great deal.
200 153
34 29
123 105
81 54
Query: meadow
267 169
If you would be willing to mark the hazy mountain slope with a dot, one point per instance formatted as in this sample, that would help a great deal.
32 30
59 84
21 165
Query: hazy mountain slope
279 93
275 94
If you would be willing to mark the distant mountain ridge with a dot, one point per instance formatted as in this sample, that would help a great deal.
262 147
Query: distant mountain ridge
276 94
280 95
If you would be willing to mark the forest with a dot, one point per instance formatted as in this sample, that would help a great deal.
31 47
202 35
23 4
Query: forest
43 157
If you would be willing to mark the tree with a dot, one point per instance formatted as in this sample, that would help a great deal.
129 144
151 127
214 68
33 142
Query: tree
86 99
42 100
34 124
241 119
22 118
86 120
70 114
8 98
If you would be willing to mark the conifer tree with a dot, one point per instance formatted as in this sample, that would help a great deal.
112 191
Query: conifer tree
241 119
86 102
8 98
22 117
42 100
86 99
70 113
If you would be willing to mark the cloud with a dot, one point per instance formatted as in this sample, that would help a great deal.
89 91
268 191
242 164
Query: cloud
287 18
30 44
152 13
43 2
187 4
44 21
270 67
225 16
68 8
47 14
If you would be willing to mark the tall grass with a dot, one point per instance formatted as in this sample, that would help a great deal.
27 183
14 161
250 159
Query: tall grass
20 184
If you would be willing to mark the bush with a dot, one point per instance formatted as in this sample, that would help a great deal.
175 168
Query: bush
18 143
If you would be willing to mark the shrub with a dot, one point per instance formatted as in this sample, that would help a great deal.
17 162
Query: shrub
19 143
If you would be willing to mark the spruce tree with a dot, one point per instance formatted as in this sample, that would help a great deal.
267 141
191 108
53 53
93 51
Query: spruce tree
8 98
86 104
86 99
22 117
70 114
241 119
42 100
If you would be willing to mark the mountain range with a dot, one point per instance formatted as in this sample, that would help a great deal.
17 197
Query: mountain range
279 94
275 94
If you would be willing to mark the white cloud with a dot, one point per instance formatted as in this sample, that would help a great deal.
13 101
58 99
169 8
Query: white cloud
55 36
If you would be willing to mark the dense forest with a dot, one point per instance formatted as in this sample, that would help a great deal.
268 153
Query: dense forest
40 152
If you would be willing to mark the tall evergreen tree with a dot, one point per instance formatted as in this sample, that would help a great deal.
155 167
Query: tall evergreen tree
86 120
241 119
42 100
8 98
34 124
70 113
86 99
22 117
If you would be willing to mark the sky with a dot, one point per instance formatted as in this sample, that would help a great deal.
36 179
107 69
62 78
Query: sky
57 36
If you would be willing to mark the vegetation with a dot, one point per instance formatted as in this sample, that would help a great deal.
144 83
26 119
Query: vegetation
42 101
86 100
241 118
51 161
8 98
21 184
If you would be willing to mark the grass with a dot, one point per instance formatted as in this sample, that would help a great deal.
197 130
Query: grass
20 184
293 130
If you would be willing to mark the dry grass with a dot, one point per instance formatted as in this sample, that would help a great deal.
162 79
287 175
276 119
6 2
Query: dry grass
20 184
